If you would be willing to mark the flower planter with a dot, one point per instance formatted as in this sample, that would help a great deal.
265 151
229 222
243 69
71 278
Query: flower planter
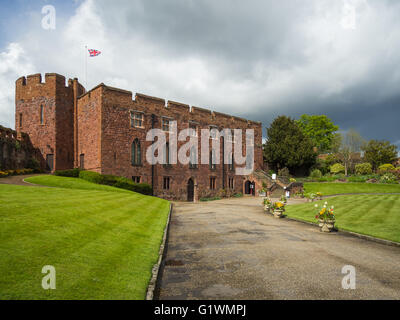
326 225
278 214
267 209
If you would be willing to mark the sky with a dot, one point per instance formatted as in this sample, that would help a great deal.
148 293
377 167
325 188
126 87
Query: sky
254 59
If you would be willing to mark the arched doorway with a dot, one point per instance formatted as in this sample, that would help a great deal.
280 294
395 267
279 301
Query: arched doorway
249 188
190 190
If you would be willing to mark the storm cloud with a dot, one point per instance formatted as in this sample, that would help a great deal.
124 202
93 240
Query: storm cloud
256 59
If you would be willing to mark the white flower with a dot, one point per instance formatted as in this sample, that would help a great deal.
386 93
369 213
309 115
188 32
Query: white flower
326 203
316 206
332 207
324 206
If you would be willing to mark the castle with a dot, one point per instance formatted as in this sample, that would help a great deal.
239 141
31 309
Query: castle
104 130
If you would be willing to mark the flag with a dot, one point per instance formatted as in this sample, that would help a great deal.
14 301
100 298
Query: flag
93 52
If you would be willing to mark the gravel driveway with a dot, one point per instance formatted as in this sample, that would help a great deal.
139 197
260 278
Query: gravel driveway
229 249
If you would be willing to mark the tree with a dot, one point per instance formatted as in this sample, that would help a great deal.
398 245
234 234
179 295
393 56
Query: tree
380 152
351 144
287 146
320 129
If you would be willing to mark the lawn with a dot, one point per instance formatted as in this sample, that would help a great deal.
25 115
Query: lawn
334 188
102 241
374 215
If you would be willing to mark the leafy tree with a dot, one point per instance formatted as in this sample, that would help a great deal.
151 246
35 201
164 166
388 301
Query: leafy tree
351 144
364 168
287 146
337 168
320 129
380 152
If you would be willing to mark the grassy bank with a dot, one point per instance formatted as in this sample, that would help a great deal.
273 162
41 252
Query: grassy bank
374 215
333 188
102 241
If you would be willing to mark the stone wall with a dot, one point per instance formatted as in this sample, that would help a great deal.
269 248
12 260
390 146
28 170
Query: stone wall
14 153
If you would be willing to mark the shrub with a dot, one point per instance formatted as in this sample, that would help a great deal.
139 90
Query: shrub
364 168
316 174
337 168
238 195
3 174
210 199
386 168
388 178
124 183
73 173
33 164
91 176
292 180
284 172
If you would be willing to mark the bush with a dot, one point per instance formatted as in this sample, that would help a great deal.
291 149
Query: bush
316 174
364 168
33 164
238 195
388 178
337 168
91 176
284 172
386 168
72 173
210 199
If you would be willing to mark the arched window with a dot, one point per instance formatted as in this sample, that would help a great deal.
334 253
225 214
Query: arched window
193 158
136 153
212 160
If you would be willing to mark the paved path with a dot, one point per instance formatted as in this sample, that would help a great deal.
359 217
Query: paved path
230 249
19 180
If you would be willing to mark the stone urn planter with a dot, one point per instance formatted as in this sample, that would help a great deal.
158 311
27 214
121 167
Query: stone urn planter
278 213
326 225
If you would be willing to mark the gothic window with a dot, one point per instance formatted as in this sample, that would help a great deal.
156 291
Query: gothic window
166 183
136 153
212 183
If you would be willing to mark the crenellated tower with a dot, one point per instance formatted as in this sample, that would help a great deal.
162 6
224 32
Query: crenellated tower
46 112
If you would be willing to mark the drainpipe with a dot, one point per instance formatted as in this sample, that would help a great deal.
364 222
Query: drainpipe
223 163
153 120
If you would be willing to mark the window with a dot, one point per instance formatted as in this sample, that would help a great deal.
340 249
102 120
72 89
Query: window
20 120
166 183
136 153
137 119
231 165
213 132
82 161
193 158
231 183
193 132
136 179
212 160
166 155
166 126
212 183
41 114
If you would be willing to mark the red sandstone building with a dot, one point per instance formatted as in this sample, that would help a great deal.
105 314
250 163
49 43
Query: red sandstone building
104 130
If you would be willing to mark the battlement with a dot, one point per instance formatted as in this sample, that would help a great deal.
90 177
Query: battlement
142 98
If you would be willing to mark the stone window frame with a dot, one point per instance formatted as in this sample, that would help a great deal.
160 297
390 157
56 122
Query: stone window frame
213 183
212 157
166 183
193 165
231 183
194 125
134 117
20 119
136 153
166 123
41 115
137 179
211 127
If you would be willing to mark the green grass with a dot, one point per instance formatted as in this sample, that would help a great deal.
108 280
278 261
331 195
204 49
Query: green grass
374 215
102 241
351 187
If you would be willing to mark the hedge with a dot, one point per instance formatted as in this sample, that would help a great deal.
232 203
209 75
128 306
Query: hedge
73 173
117 182
16 172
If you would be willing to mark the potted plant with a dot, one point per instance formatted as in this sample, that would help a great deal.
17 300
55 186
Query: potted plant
267 205
278 209
326 217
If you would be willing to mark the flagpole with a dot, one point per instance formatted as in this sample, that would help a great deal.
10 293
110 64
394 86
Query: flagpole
86 68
